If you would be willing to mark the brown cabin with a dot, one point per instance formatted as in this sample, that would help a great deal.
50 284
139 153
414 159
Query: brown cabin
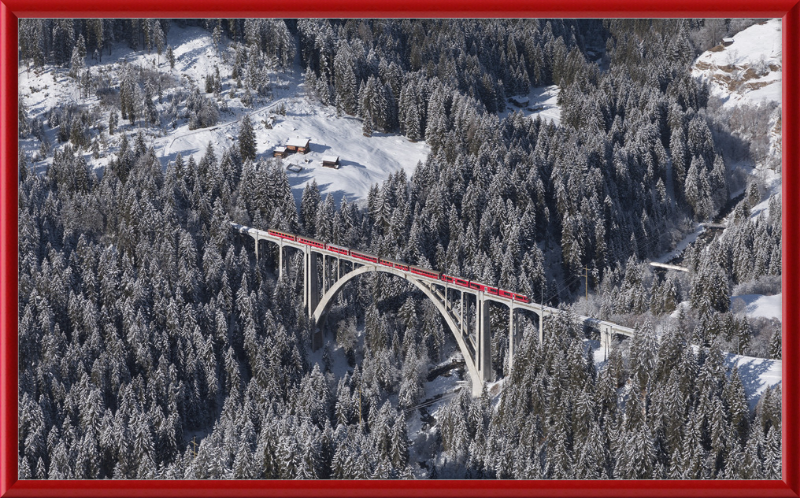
279 152
330 161
297 144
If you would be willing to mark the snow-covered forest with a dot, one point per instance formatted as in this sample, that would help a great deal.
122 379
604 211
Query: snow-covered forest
154 344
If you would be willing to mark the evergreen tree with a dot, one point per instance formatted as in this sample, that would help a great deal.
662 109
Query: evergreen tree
247 140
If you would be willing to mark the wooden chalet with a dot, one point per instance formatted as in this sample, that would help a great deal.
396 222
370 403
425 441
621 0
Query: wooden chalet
727 41
279 152
519 101
297 144
330 161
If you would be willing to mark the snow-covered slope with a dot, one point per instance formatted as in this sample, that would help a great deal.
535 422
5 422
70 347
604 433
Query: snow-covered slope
365 161
759 305
757 374
749 69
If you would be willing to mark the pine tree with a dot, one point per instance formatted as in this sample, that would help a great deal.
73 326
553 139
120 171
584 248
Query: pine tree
367 127
309 206
247 140
775 347
170 57
735 400
159 38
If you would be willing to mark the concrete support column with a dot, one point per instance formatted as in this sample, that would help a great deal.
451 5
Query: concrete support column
312 296
255 238
280 260
312 283
510 338
462 312
605 338
541 321
324 274
484 348
305 277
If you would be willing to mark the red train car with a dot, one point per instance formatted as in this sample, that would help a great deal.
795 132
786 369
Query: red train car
393 264
338 250
311 242
424 272
283 235
366 257
455 280
505 294
521 298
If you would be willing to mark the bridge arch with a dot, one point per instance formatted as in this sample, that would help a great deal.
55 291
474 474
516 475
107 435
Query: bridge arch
330 295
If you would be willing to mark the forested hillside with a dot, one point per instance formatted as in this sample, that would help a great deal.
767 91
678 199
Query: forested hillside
153 343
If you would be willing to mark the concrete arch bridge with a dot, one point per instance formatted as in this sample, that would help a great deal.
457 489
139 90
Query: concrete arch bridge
472 333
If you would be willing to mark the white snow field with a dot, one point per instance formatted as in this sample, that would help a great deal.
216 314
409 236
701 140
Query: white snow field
758 305
749 69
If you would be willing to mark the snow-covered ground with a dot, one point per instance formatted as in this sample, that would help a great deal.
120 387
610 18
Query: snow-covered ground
757 374
364 161
747 70
680 247
542 101
758 305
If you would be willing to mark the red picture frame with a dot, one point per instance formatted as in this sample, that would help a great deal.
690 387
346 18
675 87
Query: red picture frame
11 10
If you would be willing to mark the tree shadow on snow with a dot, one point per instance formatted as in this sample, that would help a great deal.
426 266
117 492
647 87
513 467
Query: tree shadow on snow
750 372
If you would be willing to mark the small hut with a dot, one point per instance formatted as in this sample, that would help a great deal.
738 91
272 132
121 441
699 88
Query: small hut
519 101
279 152
330 161
297 144
727 41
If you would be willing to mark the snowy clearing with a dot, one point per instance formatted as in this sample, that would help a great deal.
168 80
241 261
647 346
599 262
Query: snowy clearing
749 69
542 102
757 305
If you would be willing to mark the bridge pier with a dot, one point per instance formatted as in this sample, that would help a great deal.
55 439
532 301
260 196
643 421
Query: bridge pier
280 260
605 338
510 338
484 349
462 313
311 294
541 320
312 283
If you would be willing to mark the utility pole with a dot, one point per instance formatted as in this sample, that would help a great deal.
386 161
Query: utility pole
359 403
195 446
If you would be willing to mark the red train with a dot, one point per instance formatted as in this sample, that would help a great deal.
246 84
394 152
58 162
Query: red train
424 272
